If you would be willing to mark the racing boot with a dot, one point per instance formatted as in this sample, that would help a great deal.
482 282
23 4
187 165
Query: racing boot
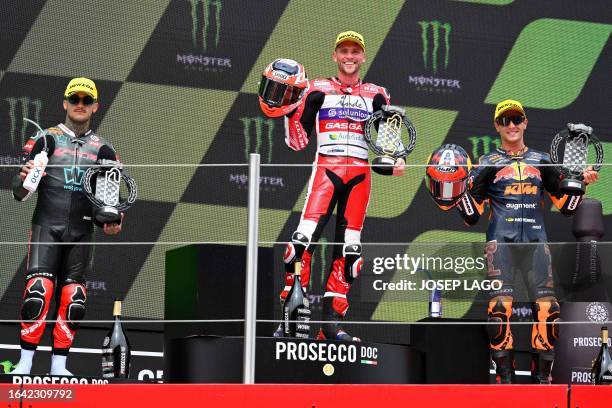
504 366
339 335
58 366
331 330
541 366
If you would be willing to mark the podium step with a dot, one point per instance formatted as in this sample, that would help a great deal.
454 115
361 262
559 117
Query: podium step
215 359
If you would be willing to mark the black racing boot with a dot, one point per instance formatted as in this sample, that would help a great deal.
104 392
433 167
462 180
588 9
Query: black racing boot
504 366
331 328
541 366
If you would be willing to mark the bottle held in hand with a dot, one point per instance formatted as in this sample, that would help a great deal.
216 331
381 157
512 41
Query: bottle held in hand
36 173
116 349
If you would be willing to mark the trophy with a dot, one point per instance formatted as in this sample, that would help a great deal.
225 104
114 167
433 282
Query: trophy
108 175
386 141
576 138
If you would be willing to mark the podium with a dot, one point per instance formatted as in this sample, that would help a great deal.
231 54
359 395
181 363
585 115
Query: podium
48 379
203 352
216 359
579 343
454 353
207 282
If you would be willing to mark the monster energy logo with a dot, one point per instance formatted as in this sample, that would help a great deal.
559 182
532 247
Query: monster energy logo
483 144
19 108
200 29
257 123
436 27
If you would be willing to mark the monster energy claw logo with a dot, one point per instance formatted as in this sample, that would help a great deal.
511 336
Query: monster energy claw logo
258 123
435 58
22 107
436 27
200 29
483 144
205 29
255 130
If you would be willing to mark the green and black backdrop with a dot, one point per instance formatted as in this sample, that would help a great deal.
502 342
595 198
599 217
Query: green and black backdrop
178 82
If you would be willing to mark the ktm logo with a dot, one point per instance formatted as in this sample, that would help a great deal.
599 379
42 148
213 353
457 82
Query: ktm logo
521 188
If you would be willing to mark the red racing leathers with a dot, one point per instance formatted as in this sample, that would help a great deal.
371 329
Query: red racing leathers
340 178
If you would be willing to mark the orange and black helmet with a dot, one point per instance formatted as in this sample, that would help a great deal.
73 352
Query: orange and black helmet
282 87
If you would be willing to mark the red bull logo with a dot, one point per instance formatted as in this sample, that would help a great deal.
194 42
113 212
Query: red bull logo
506 173
518 171
529 172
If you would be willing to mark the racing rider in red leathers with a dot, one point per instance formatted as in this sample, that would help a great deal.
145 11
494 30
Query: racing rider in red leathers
63 215
512 179
337 109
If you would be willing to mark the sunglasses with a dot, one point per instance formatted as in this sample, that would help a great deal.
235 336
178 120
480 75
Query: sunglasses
505 120
76 99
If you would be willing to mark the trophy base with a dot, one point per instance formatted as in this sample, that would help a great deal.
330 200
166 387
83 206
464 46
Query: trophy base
383 165
107 215
572 186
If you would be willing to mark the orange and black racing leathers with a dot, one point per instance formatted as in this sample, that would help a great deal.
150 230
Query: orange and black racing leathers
514 186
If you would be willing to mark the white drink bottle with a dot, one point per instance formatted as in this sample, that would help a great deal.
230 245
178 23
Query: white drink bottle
36 173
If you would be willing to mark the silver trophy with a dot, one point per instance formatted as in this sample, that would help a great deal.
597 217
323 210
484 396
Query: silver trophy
106 199
383 133
576 137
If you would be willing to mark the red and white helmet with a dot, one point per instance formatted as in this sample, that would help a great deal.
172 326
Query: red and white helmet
282 87
448 169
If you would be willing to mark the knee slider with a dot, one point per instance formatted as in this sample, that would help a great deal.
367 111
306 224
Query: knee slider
76 313
295 249
36 293
496 329
499 312
32 308
75 310
353 262
547 312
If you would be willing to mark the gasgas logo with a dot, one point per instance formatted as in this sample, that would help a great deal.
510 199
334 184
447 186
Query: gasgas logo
357 126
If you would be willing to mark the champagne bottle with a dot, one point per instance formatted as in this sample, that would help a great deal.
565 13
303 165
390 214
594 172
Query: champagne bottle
116 349
296 308
601 374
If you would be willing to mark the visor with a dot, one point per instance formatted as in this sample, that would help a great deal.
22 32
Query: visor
276 94
446 191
